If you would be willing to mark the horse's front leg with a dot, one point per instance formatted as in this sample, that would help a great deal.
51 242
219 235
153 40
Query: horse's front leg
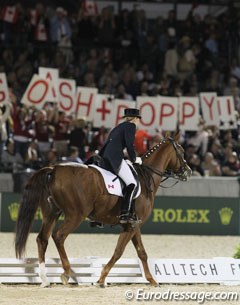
137 242
123 240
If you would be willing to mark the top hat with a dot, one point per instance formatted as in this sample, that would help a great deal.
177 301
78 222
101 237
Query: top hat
132 112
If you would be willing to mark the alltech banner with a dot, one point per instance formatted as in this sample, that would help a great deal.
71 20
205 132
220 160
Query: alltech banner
171 215
218 270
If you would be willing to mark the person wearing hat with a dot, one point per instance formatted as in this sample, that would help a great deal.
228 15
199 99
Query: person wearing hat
122 137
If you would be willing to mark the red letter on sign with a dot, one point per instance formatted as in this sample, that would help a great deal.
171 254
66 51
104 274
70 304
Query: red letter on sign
68 97
152 117
166 113
209 104
185 106
86 104
103 110
33 87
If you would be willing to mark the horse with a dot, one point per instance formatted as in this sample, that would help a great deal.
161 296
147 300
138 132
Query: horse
78 192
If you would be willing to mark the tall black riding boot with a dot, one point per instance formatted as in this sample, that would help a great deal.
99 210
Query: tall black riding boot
125 215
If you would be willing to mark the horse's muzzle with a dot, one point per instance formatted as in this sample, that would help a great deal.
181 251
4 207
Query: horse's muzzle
187 172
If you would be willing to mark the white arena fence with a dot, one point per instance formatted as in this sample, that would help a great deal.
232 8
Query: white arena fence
87 270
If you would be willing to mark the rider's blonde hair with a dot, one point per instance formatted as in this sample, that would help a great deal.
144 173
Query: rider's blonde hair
130 118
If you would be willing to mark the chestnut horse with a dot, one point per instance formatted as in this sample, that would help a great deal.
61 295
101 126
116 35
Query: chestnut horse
78 191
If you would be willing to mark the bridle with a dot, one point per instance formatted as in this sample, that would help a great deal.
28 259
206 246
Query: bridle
181 173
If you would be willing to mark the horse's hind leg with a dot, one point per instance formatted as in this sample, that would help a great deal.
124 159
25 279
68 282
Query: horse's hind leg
123 240
48 224
137 242
69 224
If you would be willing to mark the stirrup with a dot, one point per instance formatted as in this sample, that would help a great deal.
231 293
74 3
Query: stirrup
127 218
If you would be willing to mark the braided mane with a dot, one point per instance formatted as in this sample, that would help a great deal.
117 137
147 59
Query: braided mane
145 172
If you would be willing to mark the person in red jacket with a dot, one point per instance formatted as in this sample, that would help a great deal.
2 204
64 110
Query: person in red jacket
141 141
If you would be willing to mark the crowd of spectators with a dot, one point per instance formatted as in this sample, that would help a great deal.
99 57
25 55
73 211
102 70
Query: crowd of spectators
126 55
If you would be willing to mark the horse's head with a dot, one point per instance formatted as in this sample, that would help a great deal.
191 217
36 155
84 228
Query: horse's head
177 167
169 157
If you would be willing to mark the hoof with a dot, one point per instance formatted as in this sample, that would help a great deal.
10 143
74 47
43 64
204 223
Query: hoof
64 279
100 285
45 284
153 283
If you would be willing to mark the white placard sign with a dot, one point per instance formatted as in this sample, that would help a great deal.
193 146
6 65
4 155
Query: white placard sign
4 96
226 112
188 113
85 102
52 75
217 270
67 95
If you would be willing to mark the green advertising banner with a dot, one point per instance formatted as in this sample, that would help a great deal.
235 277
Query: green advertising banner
192 215
171 215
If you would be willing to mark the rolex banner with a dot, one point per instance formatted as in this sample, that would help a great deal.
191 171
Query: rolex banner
171 215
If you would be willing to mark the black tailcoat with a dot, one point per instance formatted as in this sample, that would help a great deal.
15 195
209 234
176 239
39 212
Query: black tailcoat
120 137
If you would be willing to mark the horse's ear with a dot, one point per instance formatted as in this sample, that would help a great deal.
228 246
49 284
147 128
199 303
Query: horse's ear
167 134
177 136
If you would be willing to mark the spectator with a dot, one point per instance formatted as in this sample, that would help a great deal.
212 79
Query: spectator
4 116
216 149
122 94
171 61
231 166
11 160
73 155
33 159
195 164
61 33
98 140
78 137
22 129
39 23
51 157
142 139
187 60
106 28
60 139
199 139
210 166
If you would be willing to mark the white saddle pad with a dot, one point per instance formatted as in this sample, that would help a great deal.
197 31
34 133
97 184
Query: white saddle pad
112 182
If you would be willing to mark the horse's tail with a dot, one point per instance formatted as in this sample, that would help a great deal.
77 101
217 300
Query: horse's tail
34 192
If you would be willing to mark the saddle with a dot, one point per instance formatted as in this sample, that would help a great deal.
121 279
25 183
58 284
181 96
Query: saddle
113 183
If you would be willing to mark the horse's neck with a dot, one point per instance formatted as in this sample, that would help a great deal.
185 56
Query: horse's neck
159 162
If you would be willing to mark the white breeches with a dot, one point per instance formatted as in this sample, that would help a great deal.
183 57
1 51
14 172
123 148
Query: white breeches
125 174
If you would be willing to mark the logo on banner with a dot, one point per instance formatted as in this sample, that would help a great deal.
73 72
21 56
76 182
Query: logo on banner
225 215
